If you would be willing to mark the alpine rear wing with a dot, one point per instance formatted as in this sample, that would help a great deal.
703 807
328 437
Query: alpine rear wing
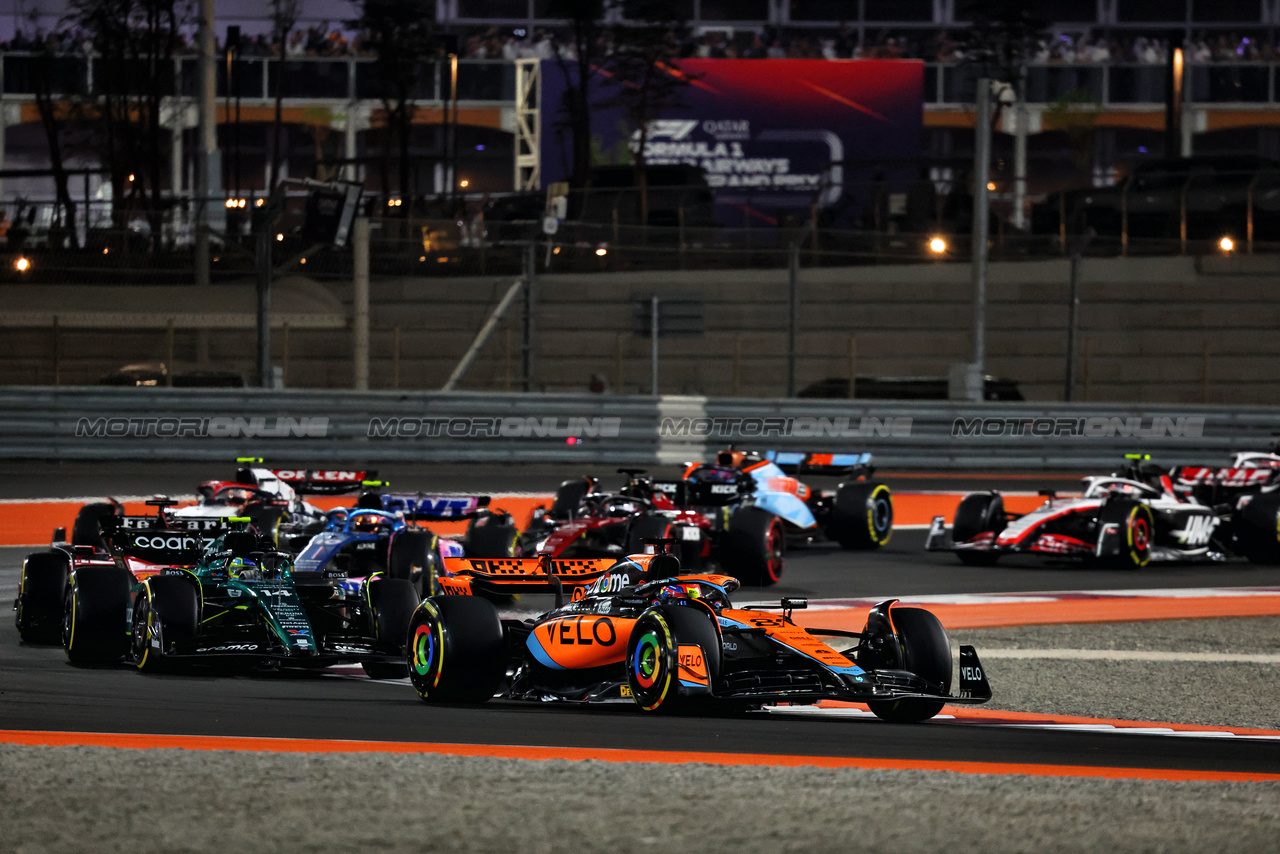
466 576
420 506
797 463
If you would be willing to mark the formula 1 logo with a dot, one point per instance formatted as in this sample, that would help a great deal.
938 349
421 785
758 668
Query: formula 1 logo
1197 531
673 129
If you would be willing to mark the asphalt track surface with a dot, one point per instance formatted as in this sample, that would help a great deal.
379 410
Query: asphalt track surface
39 690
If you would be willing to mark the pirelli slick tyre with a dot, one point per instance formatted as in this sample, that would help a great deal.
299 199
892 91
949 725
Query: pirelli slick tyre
457 652
673 659
494 537
1257 529
391 602
95 619
166 609
87 529
861 515
1136 532
926 652
42 590
753 547
978 513
414 558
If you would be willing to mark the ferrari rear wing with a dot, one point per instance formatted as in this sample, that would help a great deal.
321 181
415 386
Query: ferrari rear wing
465 576
797 463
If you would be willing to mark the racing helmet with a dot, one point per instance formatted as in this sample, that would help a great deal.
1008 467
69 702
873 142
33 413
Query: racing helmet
242 567
366 522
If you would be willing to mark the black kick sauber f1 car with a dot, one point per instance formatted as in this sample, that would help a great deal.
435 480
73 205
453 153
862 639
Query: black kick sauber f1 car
641 628
1141 514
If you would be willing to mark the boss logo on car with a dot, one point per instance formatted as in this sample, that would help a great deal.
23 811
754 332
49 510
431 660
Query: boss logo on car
571 632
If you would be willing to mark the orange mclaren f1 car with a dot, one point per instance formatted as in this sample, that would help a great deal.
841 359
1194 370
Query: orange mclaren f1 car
639 628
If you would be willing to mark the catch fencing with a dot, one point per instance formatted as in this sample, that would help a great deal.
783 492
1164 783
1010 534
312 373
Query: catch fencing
320 428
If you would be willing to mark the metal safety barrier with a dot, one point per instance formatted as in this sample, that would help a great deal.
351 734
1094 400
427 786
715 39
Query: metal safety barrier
321 427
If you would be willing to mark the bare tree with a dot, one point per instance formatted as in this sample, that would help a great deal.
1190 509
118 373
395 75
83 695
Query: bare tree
402 34
585 17
641 78
134 43
45 84
284 17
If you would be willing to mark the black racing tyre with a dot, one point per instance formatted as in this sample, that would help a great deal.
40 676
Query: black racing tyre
647 528
493 537
568 496
87 530
166 609
457 651
861 515
392 602
414 559
267 521
978 513
1137 531
95 620
1257 529
671 650
926 652
42 590
753 547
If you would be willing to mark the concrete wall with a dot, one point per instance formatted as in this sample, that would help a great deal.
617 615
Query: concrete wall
1151 330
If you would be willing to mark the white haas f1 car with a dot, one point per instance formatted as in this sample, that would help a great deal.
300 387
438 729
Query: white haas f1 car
1130 519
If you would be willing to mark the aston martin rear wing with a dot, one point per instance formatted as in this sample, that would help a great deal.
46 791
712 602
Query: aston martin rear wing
797 463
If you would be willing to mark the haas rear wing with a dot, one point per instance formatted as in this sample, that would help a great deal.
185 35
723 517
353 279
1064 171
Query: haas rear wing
797 463
324 481
464 576
423 507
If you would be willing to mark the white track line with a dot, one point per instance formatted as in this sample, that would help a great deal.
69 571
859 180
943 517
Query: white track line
1132 655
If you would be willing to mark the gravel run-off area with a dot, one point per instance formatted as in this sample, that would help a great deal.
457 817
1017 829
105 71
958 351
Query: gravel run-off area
106 799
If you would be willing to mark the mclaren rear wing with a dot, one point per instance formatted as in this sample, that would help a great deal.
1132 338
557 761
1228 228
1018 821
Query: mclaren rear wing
797 463
466 576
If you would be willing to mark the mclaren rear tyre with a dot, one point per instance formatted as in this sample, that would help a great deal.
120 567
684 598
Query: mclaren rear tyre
392 602
95 619
861 516
753 547
414 558
1136 532
457 651
647 528
87 529
42 590
673 659
978 513
926 652
166 609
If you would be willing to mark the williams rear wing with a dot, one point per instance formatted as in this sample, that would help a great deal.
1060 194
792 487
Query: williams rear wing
797 463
